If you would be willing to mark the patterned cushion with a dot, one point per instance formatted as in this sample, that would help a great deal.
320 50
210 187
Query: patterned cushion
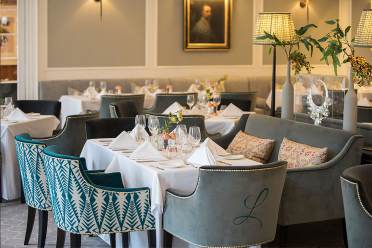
252 147
300 155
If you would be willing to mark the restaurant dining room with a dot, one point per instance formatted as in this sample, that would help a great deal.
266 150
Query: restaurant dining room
186 123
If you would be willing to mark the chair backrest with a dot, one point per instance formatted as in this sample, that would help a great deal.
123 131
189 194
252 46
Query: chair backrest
235 206
108 127
275 128
31 166
124 109
43 107
246 101
164 100
73 136
188 120
364 114
80 206
356 184
106 100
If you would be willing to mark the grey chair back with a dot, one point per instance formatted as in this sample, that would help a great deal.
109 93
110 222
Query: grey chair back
108 128
230 207
164 100
356 184
188 120
43 107
364 114
73 136
106 100
124 109
246 101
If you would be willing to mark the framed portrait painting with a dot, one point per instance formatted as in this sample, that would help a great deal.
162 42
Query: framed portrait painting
207 24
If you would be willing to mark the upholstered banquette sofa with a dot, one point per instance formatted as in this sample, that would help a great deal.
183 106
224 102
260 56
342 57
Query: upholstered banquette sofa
53 90
311 193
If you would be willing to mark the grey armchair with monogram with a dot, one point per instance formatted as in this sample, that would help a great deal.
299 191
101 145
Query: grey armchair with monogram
230 207
164 100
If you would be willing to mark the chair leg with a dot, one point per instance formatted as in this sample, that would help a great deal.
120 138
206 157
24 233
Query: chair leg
151 237
30 223
75 240
125 240
113 240
61 235
167 239
43 226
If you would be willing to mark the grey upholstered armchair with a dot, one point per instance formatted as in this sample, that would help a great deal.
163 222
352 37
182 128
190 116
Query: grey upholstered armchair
230 207
246 101
356 183
73 136
106 100
164 100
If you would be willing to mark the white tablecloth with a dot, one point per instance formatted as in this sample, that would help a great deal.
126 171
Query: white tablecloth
38 127
135 174
74 105
220 124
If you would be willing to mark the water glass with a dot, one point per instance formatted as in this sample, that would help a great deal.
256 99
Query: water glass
8 101
140 120
92 84
217 100
103 86
153 125
194 136
181 134
190 100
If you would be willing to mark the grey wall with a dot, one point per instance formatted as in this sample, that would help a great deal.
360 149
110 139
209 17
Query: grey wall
320 11
170 33
76 38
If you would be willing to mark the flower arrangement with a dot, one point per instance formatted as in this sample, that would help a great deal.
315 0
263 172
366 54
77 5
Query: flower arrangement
174 119
337 43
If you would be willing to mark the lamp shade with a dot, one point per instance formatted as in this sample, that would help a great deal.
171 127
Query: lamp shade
363 36
280 24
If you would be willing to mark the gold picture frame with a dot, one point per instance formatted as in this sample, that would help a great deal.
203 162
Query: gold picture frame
207 24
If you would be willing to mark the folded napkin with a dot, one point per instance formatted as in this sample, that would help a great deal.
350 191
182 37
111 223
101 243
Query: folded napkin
139 133
90 92
147 152
232 111
206 154
17 115
174 108
124 141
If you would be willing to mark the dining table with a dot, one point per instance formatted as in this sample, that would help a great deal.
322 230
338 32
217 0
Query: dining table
158 176
38 126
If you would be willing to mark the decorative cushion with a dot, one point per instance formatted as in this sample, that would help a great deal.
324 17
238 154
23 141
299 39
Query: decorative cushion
252 147
300 155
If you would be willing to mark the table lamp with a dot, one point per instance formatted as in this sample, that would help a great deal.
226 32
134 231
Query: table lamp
281 25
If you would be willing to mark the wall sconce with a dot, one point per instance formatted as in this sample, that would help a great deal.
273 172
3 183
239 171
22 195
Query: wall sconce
100 8
305 4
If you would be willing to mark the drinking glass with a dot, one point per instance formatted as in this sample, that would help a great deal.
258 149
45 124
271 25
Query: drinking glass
154 125
140 120
103 86
190 100
217 100
194 136
203 100
92 84
181 134
8 101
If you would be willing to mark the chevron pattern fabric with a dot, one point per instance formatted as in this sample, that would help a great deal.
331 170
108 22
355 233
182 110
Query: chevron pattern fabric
31 166
83 208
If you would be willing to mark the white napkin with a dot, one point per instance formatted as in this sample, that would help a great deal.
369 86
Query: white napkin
147 152
206 154
17 115
174 108
90 92
139 132
232 111
123 141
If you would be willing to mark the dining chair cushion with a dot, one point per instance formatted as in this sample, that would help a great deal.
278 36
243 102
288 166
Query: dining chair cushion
252 147
300 155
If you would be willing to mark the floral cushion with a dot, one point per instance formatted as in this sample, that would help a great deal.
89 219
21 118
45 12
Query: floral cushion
252 147
300 155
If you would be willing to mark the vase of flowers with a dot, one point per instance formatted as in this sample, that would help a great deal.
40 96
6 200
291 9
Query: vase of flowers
169 137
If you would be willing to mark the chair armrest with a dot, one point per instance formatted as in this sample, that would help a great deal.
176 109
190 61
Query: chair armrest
94 171
107 180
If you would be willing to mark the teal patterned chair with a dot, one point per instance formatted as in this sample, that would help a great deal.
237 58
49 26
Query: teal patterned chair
34 183
94 203
234 206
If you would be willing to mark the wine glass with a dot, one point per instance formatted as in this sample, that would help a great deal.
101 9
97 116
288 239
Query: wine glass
92 84
194 136
103 86
140 120
181 132
154 125
190 100
216 100
8 101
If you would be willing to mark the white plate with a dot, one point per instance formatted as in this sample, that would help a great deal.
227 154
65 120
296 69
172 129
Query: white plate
234 157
